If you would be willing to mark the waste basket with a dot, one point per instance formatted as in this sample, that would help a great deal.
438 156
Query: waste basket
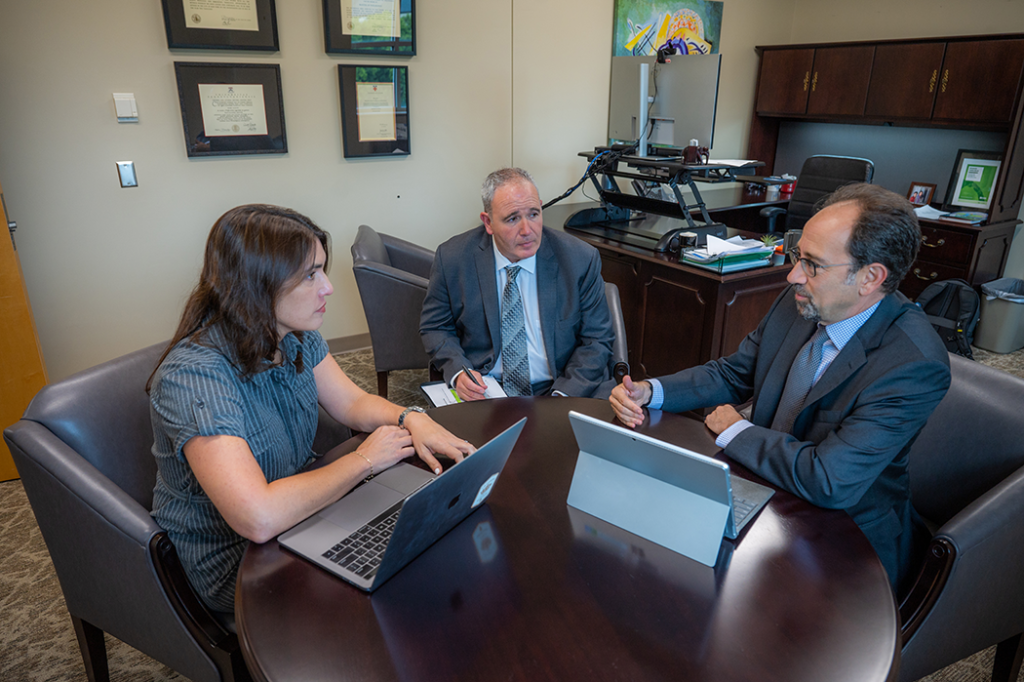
1001 327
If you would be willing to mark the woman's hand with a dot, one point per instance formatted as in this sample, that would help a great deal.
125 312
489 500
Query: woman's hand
385 447
430 438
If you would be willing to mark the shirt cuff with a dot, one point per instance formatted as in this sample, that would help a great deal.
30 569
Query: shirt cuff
725 437
454 378
657 395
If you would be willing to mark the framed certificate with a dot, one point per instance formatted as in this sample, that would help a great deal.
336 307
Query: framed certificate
221 24
973 180
231 109
374 110
370 27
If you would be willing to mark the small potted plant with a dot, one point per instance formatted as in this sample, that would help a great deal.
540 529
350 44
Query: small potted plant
773 242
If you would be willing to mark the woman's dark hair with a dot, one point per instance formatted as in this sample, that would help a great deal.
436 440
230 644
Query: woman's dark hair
886 231
253 254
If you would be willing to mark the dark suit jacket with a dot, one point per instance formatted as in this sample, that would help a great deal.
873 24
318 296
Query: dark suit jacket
461 320
850 442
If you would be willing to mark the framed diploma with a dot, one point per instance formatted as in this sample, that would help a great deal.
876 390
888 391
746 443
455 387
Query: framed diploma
221 24
370 26
231 109
973 181
374 110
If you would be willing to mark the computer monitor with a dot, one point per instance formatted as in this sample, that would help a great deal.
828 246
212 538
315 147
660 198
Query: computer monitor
685 99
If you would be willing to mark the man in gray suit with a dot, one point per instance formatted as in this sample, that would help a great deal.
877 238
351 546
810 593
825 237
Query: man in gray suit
518 301
844 372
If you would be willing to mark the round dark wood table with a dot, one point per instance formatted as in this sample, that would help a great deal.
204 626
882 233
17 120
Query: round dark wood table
528 588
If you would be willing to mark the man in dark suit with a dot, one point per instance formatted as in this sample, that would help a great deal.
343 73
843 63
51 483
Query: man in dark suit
552 316
844 372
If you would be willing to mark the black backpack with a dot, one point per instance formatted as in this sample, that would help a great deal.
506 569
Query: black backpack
952 306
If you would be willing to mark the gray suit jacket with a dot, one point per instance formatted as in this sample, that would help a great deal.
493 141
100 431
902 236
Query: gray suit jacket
461 320
850 442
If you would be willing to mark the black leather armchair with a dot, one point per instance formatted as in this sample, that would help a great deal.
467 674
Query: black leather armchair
392 276
83 450
820 176
967 479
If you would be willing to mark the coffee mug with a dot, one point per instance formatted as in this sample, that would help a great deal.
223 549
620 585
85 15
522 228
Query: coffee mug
693 154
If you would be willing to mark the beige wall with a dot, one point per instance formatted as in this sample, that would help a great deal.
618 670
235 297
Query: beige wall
494 82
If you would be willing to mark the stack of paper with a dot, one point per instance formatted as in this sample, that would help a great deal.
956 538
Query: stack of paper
729 255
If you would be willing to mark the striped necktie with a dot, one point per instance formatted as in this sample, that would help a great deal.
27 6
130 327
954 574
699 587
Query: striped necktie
801 378
515 363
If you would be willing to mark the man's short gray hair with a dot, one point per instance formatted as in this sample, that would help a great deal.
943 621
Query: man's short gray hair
498 178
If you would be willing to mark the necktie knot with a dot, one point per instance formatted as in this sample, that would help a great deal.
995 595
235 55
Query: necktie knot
512 271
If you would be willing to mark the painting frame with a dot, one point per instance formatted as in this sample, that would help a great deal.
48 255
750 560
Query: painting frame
921 193
357 142
972 182
337 41
183 33
192 76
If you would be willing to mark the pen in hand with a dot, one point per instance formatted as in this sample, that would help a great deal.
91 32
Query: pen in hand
471 377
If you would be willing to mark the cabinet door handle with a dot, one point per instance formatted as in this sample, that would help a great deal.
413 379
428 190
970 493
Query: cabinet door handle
929 278
814 83
945 80
931 83
924 242
807 79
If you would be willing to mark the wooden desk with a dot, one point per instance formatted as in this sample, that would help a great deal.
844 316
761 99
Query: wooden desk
677 315
525 589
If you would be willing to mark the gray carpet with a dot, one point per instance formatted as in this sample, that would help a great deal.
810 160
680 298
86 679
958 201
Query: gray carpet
37 642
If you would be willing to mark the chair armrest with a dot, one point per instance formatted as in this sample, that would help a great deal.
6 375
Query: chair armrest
772 213
969 594
408 256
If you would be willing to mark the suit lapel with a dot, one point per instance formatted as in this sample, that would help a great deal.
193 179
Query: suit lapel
486 277
547 299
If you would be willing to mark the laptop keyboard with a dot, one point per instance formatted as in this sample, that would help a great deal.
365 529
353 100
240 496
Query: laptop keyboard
741 509
361 552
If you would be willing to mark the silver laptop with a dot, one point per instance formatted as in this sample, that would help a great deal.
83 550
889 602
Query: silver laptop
669 495
375 530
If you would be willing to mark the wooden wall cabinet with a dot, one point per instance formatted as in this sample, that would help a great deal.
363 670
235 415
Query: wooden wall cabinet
828 81
980 81
904 80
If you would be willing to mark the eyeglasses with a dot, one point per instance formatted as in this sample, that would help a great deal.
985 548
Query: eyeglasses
809 266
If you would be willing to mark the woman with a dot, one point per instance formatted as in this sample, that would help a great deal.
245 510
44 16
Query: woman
234 401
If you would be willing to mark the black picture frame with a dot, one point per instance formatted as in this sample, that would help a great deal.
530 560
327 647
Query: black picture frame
954 203
197 143
336 41
181 35
349 76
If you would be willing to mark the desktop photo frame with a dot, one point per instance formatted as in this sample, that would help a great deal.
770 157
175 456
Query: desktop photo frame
973 181
920 193
245 25
374 109
391 31
231 109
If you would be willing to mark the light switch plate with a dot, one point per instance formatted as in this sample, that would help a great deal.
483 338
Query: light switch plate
126 172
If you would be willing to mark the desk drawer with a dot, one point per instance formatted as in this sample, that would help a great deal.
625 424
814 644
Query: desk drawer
922 273
941 245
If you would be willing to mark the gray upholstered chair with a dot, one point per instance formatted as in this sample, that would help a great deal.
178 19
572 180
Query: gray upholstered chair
819 176
967 480
83 450
620 351
392 276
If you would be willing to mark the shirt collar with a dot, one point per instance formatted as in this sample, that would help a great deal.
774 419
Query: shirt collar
840 333
500 262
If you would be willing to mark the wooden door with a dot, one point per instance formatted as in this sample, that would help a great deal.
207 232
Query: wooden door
839 80
979 81
785 81
904 80
22 372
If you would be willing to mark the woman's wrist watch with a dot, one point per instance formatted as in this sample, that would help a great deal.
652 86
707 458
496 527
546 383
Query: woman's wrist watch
405 413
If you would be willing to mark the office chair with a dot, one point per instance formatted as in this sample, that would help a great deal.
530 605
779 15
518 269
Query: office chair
820 176
83 450
620 353
392 276
967 479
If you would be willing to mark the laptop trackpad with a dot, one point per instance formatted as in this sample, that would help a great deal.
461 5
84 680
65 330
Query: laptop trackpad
364 503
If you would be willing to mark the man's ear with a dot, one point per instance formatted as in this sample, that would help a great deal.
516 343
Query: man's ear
486 220
872 278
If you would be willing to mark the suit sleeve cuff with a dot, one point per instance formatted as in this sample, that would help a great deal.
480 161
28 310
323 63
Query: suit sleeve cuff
657 395
725 437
